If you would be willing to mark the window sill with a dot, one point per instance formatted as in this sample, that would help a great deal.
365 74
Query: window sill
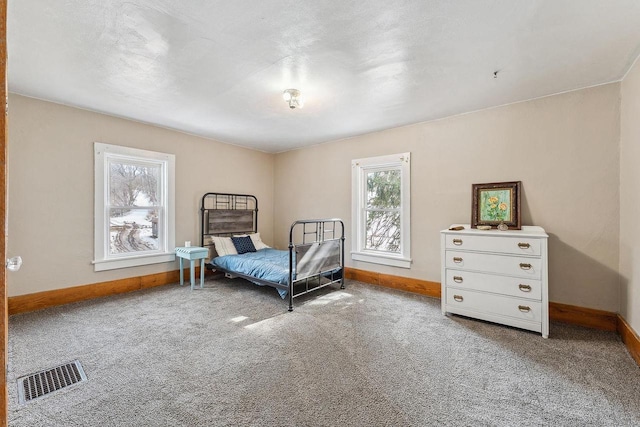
133 261
394 261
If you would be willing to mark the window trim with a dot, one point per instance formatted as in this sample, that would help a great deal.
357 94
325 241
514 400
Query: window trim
359 167
102 154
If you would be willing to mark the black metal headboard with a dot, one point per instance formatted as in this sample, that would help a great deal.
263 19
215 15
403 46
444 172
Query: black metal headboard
225 214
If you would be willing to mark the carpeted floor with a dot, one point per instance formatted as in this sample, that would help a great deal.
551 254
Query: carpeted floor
231 355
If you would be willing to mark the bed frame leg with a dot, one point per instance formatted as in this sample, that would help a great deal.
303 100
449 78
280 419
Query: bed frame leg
290 308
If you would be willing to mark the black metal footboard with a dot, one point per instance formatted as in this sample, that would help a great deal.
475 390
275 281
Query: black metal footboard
316 255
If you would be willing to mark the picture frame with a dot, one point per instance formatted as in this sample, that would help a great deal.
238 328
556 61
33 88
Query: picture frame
496 203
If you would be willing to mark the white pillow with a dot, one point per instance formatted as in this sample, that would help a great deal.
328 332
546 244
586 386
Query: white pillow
255 239
224 246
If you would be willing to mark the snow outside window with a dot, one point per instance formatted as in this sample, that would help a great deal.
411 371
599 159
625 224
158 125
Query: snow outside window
134 208
381 209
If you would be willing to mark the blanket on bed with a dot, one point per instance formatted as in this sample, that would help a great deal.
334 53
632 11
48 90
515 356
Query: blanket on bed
266 264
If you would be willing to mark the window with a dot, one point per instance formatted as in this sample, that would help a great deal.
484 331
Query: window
381 210
134 209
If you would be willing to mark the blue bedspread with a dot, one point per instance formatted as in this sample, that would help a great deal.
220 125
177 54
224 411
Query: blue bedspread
266 264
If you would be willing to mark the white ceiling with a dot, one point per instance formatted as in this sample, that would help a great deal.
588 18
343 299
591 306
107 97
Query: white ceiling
217 68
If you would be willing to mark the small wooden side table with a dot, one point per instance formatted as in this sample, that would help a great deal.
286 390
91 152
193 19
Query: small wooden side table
192 253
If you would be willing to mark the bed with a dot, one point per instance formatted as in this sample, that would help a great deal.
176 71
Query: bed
314 259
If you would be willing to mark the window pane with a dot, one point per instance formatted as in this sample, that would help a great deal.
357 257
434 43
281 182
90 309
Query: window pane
383 231
132 184
133 230
383 189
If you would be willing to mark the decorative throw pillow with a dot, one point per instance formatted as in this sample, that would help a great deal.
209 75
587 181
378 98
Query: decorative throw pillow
257 241
255 238
224 246
243 244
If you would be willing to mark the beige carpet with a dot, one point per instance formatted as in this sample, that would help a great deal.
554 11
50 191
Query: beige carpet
231 355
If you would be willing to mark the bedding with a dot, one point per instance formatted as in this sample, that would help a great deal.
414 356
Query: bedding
224 246
255 238
266 264
243 244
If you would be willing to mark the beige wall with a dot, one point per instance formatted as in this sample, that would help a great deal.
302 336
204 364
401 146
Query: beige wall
51 188
563 148
630 198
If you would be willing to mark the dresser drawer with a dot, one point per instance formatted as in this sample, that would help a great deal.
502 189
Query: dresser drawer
491 263
505 245
494 304
506 285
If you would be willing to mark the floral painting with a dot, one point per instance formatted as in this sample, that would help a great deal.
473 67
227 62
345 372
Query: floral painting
496 203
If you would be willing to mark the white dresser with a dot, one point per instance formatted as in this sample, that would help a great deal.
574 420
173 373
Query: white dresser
498 276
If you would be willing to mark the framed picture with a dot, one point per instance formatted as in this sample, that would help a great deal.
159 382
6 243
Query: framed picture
496 203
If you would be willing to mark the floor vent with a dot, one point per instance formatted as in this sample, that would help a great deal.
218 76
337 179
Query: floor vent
46 382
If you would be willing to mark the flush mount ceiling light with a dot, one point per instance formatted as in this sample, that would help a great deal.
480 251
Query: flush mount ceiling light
293 97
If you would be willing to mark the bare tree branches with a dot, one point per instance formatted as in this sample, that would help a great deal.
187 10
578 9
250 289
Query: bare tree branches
132 185
383 210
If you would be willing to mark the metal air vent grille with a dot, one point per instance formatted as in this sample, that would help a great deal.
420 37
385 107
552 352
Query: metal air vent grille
45 382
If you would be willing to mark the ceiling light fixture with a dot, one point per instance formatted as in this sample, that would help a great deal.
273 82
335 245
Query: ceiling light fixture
293 97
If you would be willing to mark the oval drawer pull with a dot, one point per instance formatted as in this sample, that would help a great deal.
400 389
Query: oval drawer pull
525 266
458 298
524 245
457 242
457 259
524 308
525 288
458 279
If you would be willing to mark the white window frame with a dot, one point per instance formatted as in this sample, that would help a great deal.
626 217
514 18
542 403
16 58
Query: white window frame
103 153
359 169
